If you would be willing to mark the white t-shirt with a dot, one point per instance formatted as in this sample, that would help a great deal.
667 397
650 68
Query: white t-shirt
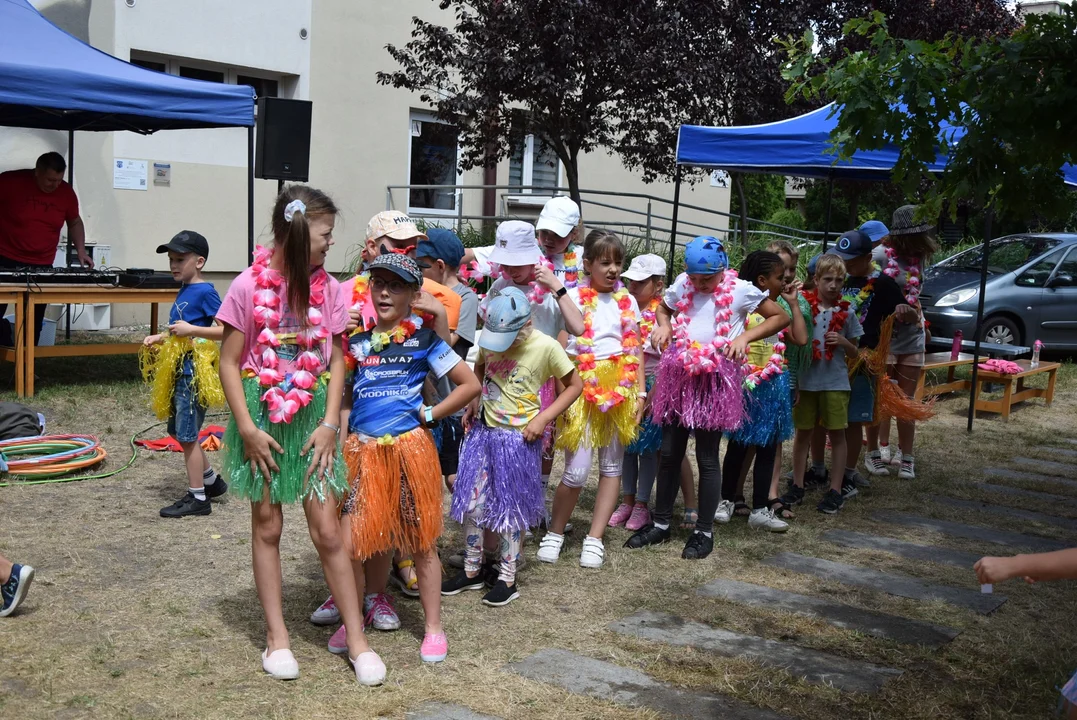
606 323
545 317
483 264
701 324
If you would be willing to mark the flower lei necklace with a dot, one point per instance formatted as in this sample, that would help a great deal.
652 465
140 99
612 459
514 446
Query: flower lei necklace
837 321
699 358
650 316
378 340
862 300
775 366
585 359
286 394
538 293
912 275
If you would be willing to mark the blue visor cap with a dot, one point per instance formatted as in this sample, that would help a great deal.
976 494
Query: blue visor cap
705 255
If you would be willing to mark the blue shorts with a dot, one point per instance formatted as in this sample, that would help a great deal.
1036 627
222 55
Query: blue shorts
187 415
861 399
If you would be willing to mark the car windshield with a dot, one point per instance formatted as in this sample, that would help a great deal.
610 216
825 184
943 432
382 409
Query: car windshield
1007 254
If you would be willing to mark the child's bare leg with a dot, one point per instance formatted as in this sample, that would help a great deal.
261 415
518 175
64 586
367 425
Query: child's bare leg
688 484
837 450
267 522
776 475
325 532
376 571
564 502
801 441
745 466
818 446
196 463
854 441
609 489
907 377
5 569
428 569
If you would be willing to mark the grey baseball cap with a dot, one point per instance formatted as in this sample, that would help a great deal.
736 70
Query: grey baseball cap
505 316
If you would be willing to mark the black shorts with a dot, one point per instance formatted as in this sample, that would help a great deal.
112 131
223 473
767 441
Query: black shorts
452 434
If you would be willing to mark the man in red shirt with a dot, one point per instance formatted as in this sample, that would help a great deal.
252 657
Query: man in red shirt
34 205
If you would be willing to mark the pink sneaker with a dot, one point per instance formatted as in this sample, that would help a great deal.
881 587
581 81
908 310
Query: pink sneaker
338 644
435 647
640 516
621 514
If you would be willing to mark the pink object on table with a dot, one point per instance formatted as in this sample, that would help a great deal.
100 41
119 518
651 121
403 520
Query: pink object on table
998 365
955 350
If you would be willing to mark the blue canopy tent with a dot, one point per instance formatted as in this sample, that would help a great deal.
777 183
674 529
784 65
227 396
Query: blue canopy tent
802 147
52 80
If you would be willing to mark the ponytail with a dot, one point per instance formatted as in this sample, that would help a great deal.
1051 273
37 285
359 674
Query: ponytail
291 237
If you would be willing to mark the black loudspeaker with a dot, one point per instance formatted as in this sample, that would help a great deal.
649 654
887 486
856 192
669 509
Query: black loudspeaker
282 139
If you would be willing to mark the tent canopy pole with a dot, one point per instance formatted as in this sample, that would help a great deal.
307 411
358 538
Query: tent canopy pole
67 251
988 215
250 195
673 224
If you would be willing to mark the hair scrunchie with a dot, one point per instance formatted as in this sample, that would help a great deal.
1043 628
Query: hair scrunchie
295 206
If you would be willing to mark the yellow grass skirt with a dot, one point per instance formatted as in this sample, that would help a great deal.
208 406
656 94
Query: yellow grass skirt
161 363
585 424
396 493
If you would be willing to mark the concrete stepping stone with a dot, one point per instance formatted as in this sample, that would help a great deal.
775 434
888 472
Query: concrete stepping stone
1008 474
1048 466
971 532
816 667
891 583
443 711
1006 511
1021 492
625 686
846 617
912 551
1052 450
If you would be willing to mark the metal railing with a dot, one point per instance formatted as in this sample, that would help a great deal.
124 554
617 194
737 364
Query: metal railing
643 223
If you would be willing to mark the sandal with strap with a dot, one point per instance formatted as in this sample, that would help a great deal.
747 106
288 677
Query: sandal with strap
780 509
740 507
691 515
409 586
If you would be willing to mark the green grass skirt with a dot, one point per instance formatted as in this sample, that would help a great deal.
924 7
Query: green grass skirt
289 484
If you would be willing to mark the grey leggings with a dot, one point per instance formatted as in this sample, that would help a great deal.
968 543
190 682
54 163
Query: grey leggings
639 474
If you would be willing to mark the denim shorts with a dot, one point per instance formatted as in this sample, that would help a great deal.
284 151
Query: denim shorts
862 399
187 415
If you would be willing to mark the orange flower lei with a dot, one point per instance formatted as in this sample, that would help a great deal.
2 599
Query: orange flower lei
630 342
650 316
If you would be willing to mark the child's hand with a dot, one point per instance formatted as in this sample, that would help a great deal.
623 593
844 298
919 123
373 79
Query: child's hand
790 292
641 408
906 314
324 442
470 412
833 338
544 276
660 338
153 339
355 320
182 329
534 429
259 446
990 570
737 350
427 303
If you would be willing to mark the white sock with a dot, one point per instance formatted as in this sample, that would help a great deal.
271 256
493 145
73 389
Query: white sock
819 468
662 526
545 481
209 476
707 534
849 472
199 493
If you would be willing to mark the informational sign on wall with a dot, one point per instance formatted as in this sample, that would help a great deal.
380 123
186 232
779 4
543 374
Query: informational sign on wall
130 174
719 179
162 174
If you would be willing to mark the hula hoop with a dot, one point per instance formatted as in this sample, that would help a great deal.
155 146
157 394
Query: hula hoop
47 456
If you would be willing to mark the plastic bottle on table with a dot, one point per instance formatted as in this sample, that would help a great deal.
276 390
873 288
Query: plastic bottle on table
1036 347
956 349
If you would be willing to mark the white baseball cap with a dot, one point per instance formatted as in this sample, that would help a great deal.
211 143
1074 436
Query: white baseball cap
515 244
643 267
559 215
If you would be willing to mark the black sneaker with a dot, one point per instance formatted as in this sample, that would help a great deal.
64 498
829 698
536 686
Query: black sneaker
218 488
500 595
814 478
489 572
831 502
460 583
793 496
848 490
649 534
698 547
187 505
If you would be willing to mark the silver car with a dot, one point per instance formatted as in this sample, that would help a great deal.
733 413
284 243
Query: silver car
1031 291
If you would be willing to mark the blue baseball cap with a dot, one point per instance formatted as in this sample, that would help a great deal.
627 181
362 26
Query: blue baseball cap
705 255
874 230
851 245
441 244
506 314
811 265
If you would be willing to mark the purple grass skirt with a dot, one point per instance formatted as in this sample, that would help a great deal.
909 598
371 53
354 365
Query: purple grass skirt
708 401
769 413
514 496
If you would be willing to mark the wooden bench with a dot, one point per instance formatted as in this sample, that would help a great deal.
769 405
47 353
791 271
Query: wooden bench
942 361
1011 394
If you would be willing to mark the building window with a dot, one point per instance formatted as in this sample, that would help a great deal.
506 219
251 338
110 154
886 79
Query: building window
433 159
160 67
534 163
194 73
263 87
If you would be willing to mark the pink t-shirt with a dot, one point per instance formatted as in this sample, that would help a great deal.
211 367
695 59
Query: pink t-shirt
237 310
367 311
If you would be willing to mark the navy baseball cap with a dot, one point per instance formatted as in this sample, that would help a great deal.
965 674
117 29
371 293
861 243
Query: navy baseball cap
441 244
874 230
399 264
186 241
811 265
705 255
507 313
851 245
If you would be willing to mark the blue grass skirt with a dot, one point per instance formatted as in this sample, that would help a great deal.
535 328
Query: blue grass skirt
649 439
770 414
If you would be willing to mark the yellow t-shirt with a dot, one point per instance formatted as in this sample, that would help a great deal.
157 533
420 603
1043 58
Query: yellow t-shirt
759 351
510 389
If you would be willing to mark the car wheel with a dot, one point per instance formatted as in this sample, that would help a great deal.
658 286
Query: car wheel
1001 330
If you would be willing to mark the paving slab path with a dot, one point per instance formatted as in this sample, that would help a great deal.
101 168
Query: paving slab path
891 583
444 711
1021 492
1056 468
1057 451
1010 474
912 551
814 666
596 678
1007 511
971 532
847 617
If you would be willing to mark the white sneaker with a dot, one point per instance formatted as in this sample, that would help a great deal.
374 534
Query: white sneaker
550 547
369 669
875 464
908 468
593 554
724 513
884 453
764 519
895 459
281 664
326 614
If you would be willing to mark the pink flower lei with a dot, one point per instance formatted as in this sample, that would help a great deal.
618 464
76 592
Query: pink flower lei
912 275
701 358
286 394
775 366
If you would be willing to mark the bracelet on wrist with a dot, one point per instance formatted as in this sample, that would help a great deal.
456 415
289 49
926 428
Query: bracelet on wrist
331 426
428 414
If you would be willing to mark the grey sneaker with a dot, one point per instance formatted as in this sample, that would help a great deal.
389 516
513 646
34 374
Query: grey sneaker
875 464
378 611
857 479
